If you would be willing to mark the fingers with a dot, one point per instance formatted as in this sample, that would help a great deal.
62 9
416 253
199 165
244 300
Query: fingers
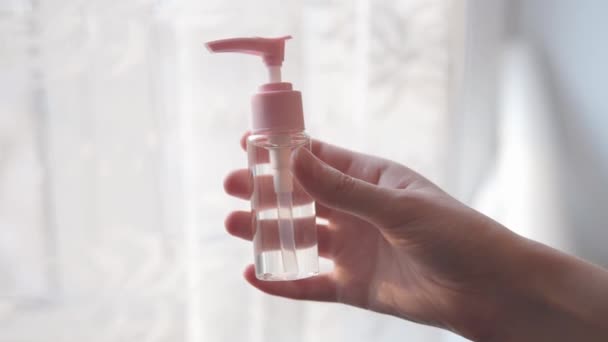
339 158
355 164
335 156
338 190
244 140
239 224
319 288
337 178
239 184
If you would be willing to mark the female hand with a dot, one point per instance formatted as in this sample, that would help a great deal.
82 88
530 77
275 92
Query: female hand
400 245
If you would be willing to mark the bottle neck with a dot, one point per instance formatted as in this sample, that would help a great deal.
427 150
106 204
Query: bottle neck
274 132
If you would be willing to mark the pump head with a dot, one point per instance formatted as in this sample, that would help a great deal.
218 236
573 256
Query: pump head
276 106
272 50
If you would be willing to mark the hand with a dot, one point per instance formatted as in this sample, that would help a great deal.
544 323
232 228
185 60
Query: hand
400 245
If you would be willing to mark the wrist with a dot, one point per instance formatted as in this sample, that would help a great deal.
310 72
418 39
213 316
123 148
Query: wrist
547 295
480 314
505 300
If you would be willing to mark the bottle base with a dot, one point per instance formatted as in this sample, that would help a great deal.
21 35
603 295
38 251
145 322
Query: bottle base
284 276
269 265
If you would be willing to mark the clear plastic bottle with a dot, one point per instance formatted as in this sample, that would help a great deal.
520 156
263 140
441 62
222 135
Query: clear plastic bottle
284 227
284 223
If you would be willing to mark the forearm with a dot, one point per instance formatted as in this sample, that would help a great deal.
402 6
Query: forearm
552 296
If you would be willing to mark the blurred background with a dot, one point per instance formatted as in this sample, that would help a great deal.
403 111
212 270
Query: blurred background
117 128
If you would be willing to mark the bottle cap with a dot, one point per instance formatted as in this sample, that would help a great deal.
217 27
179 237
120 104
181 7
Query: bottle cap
276 107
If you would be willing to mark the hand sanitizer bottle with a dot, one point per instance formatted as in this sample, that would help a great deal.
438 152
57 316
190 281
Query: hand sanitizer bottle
284 225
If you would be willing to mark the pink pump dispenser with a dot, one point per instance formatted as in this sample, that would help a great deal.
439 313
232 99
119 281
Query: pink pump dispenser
276 107
285 241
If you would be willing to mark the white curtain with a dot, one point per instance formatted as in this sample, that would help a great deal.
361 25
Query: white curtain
117 128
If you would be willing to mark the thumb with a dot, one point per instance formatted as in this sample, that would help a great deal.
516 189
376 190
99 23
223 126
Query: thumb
340 191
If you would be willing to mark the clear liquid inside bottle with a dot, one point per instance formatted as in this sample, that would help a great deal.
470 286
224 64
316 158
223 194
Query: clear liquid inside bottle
277 219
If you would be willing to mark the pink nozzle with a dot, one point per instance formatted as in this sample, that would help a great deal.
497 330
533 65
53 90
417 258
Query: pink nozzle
276 106
272 50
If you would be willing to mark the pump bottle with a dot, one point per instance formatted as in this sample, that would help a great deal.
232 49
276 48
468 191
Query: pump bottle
284 224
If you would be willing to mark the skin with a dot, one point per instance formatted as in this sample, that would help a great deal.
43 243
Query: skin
403 247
